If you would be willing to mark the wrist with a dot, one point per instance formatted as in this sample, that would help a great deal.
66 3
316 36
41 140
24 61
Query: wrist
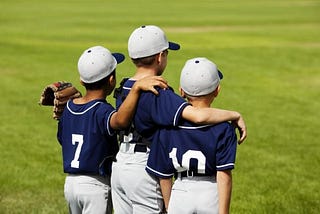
136 88
237 115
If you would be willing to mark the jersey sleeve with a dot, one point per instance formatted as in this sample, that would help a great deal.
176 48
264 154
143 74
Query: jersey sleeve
167 108
159 164
226 149
104 114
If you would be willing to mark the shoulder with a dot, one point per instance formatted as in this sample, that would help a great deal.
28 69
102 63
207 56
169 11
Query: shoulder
225 133
222 131
166 98
85 107
224 127
104 107
168 91
99 106
127 83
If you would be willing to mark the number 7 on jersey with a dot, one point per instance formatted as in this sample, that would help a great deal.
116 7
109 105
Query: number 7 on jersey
76 138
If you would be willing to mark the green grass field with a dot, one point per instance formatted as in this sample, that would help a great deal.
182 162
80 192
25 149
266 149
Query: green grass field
269 52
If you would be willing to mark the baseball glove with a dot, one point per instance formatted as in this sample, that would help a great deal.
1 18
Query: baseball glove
57 95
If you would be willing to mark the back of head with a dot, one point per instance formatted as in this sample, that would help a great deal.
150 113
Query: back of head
96 63
199 77
147 41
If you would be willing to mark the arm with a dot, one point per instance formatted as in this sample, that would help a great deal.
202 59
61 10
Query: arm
166 185
122 118
214 116
224 180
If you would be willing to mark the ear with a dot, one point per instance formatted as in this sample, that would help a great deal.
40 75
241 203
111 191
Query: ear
182 93
216 92
112 80
159 57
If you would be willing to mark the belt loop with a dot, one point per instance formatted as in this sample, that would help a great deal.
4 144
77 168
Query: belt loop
179 176
189 174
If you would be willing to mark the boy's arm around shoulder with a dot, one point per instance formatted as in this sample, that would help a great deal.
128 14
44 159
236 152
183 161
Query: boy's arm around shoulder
214 116
123 117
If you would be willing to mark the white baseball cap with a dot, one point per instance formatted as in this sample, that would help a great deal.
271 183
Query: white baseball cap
199 76
96 63
147 41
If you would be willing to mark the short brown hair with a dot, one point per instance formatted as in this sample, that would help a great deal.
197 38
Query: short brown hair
100 83
145 61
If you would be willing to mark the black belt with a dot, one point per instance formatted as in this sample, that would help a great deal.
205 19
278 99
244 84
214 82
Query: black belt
185 174
140 148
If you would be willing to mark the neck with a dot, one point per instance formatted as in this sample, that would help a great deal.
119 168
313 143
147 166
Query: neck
200 102
143 72
91 95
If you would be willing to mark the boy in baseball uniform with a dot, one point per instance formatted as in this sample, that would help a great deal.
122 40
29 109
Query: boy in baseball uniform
133 189
86 131
200 156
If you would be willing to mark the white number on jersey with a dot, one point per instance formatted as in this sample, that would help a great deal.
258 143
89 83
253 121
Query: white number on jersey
186 157
76 138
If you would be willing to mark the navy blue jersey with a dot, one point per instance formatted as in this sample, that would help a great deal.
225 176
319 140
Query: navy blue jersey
86 137
201 149
154 112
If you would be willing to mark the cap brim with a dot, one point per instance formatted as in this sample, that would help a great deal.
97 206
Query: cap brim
173 46
119 57
220 75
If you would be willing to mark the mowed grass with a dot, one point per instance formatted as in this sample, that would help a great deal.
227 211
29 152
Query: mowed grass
269 53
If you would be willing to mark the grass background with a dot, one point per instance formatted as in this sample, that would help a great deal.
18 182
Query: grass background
269 52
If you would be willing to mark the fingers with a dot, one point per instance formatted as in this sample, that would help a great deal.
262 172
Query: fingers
153 90
149 84
159 78
243 135
162 85
158 81
241 126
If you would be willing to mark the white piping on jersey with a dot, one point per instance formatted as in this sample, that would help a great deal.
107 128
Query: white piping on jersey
108 122
193 127
78 113
127 88
168 175
176 115
228 164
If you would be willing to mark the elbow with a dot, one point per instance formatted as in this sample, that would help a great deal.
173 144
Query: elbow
122 124
192 114
118 122
195 115
200 119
